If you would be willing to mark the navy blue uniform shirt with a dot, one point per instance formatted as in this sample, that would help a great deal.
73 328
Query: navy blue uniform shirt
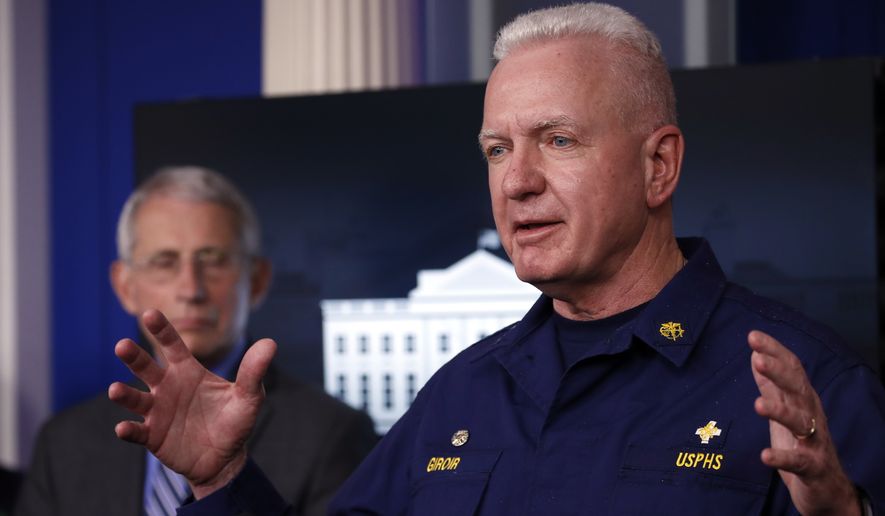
656 419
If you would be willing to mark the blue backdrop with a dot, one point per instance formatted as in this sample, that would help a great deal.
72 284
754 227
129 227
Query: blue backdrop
105 57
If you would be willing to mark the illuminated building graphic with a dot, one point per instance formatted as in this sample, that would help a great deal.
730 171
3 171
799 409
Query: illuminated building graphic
379 352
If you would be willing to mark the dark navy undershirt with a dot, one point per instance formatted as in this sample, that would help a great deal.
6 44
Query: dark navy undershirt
575 339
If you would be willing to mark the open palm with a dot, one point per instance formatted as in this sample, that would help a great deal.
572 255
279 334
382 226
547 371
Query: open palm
801 449
196 423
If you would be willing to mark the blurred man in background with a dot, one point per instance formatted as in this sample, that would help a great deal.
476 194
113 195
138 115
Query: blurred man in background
189 245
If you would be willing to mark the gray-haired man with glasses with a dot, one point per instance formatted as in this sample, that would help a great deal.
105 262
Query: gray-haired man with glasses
189 246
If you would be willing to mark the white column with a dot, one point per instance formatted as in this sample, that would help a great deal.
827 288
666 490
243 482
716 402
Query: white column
482 35
709 32
338 44
318 31
280 30
319 46
408 36
374 44
357 50
25 367
391 35
695 33
8 355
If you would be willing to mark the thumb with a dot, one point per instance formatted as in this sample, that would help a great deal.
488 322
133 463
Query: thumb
254 366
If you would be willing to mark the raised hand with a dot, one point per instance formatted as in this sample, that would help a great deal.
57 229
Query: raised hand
801 447
195 422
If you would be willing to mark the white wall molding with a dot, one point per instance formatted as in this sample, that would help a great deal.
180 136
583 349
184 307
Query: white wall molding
8 355
25 366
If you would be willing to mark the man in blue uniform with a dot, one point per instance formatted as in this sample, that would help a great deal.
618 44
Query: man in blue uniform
641 382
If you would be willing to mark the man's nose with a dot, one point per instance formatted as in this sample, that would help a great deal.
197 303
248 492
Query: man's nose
191 282
525 174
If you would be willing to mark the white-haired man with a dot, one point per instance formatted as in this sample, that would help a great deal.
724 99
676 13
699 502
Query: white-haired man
642 382
189 245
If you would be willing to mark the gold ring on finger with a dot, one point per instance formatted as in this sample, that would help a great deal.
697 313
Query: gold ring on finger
810 431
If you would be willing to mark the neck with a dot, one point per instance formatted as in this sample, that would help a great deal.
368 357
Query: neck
644 272
220 361
223 364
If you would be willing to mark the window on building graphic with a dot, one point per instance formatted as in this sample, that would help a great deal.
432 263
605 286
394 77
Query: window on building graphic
340 344
364 344
364 391
410 343
385 343
342 387
410 388
388 391
443 343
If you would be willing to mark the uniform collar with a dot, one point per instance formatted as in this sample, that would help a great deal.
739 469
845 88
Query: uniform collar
670 324
674 320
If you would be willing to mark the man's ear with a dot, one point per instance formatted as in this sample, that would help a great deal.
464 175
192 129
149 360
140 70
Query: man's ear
121 281
259 280
663 160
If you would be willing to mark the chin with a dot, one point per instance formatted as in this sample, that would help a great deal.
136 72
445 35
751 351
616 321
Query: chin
210 359
534 268
535 276
202 347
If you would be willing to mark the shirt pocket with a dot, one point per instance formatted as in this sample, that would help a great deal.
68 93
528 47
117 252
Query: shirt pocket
690 480
451 482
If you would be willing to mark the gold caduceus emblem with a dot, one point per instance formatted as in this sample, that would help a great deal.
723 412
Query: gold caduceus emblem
708 432
672 330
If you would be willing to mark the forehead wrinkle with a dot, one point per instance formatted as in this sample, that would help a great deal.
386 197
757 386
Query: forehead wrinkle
552 123
529 125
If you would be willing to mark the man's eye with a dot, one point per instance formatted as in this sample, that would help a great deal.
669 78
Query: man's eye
163 262
495 151
561 141
213 258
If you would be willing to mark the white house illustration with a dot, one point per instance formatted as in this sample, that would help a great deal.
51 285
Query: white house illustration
379 352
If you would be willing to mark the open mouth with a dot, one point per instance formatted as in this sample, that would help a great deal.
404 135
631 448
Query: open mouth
535 232
530 226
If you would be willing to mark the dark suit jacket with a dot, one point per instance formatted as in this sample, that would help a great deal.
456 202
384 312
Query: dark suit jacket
305 441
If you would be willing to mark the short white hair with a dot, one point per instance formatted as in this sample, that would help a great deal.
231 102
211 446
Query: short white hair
639 63
190 183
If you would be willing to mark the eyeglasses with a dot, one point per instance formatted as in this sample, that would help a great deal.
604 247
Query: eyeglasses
210 262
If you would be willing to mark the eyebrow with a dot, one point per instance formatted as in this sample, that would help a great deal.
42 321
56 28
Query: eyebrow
179 252
486 134
540 125
551 123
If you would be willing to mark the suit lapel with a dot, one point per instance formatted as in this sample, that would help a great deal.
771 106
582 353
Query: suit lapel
123 482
